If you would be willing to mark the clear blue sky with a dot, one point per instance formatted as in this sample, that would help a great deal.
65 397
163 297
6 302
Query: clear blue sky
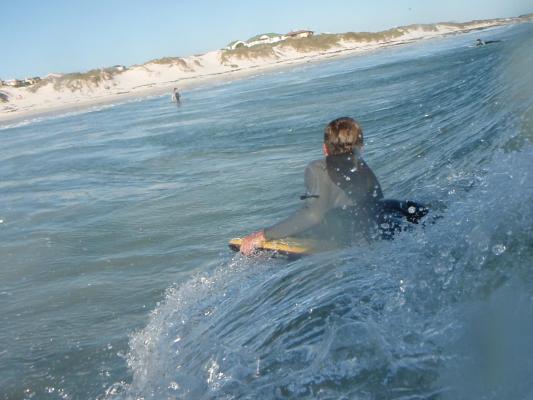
42 36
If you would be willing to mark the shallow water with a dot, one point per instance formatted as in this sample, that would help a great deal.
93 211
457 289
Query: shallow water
115 277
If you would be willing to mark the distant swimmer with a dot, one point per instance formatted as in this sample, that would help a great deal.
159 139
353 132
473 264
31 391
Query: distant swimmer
176 98
343 201
480 42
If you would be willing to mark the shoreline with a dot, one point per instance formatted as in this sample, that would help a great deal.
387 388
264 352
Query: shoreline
213 73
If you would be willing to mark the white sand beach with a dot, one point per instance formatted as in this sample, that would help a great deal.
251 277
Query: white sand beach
110 85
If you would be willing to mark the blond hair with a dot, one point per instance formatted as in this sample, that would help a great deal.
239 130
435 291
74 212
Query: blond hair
343 135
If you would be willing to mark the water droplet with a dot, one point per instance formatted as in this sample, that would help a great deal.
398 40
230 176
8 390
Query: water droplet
440 269
499 249
353 169
348 178
402 286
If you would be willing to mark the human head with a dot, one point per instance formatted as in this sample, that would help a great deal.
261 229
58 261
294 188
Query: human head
343 135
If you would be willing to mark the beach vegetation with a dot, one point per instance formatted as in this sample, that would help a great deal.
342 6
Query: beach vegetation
36 86
324 41
528 17
78 80
471 25
265 50
389 34
172 61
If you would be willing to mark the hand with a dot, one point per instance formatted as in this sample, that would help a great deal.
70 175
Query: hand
251 242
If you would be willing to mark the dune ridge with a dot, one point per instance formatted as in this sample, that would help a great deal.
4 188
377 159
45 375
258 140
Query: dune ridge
113 84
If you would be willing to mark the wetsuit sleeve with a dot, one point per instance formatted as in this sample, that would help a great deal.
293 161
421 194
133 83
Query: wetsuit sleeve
309 215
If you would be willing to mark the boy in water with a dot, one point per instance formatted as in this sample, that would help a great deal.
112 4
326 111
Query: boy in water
343 194
176 97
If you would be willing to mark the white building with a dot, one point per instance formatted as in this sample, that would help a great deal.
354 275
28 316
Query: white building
12 82
236 45
119 68
302 33
268 39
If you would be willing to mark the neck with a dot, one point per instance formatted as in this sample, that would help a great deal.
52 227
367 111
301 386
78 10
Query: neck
356 153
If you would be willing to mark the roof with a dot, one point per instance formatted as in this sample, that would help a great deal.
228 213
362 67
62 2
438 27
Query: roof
294 33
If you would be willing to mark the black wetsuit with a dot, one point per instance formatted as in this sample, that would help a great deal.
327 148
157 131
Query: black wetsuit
480 42
341 203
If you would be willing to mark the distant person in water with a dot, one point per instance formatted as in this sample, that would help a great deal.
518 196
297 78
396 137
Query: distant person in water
480 42
342 193
176 97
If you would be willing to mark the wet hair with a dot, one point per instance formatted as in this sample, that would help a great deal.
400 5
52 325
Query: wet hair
343 135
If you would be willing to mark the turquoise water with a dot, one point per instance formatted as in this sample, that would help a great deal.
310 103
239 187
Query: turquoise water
115 277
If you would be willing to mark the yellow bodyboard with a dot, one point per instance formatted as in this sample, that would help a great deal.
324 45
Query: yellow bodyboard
288 246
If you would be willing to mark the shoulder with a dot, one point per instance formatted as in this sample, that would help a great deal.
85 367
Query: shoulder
315 171
317 166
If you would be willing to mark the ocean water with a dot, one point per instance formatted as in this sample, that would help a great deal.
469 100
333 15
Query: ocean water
115 277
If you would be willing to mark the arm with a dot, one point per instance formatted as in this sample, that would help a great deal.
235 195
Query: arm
309 215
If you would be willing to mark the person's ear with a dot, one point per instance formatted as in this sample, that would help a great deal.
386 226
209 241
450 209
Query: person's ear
325 149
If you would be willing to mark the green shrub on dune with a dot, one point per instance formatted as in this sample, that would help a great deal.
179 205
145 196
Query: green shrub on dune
250 53
78 80
171 61
321 42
